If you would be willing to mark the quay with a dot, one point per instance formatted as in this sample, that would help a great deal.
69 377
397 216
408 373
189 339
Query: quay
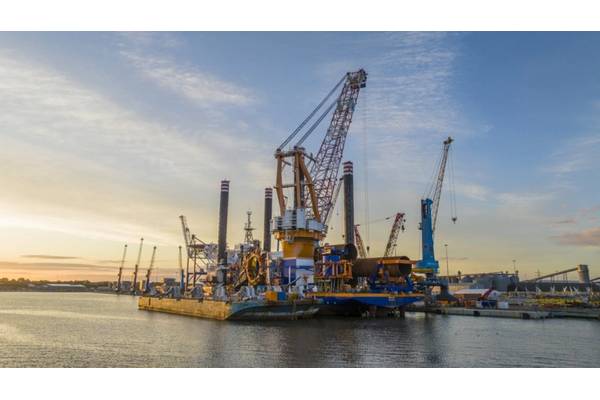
519 313
230 310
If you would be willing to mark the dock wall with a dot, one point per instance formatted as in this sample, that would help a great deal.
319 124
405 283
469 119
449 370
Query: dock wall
191 307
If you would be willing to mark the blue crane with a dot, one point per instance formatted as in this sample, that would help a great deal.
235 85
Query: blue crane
429 211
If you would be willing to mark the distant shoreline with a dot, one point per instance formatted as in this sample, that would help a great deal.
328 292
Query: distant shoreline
25 290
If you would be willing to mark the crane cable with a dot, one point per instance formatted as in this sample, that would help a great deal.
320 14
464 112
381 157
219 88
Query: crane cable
364 111
312 114
316 123
430 189
452 187
453 215
374 221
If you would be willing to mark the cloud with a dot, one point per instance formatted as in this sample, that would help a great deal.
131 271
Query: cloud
73 271
407 109
200 87
143 40
590 212
42 266
565 221
576 155
49 257
77 162
523 200
409 89
473 191
588 237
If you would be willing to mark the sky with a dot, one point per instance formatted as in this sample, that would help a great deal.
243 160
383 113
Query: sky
107 137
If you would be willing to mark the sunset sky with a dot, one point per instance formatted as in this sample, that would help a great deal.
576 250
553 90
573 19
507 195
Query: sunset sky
107 137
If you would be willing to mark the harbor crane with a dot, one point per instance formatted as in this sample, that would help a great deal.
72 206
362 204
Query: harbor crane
121 265
149 272
314 184
303 223
181 271
137 267
202 256
429 211
392 242
397 226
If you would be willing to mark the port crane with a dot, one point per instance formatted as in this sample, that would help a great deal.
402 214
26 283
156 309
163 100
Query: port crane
136 268
202 256
315 181
429 212
303 223
149 272
392 242
181 271
121 265
390 247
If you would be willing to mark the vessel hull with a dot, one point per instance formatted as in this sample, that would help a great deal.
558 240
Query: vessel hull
357 304
224 310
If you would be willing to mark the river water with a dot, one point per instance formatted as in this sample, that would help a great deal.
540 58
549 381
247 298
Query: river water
105 330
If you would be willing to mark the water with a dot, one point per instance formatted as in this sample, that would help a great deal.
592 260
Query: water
102 330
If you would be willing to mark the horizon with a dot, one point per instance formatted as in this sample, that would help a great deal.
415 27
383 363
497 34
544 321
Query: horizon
109 137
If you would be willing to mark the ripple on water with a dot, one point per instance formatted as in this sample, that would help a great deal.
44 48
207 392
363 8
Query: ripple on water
94 330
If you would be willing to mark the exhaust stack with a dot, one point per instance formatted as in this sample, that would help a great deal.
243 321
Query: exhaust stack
268 216
349 202
223 209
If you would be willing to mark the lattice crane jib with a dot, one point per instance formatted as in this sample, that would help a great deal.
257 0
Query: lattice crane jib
360 245
438 183
248 236
201 256
392 242
315 181
326 165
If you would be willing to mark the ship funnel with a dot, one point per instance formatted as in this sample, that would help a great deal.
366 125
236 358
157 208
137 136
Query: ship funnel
223 209
268 215
349 202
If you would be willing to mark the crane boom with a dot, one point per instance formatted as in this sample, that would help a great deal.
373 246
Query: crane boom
137 266
315 181
439 181
187 236
149 272
360 245
324 170
429 212
397 226
121 265
202 256
302 222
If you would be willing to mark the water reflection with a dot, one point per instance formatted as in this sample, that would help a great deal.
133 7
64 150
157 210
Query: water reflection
88 330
